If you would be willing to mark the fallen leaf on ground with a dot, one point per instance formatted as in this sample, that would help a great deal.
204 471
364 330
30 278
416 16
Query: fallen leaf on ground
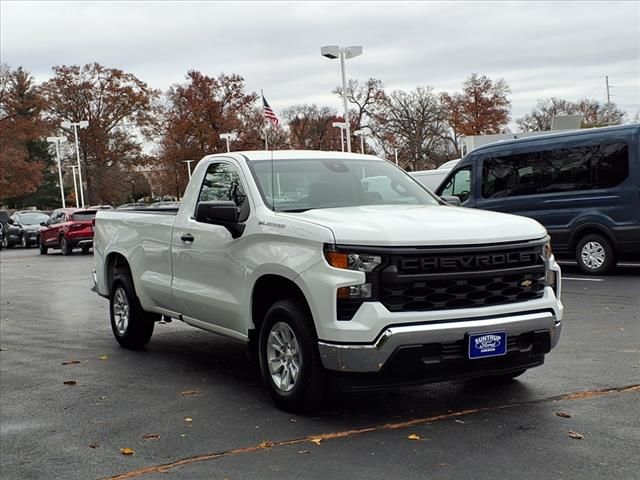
414 436
563 415
188 419
459 421
189 393
94 445
71 362
70 382
575 435
304 451
103 357
103 398
127 451
151 436
266 444
317 441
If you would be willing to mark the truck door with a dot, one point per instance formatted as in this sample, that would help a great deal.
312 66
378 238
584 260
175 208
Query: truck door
208 277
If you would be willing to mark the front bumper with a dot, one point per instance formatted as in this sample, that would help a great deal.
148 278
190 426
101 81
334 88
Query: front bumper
373 357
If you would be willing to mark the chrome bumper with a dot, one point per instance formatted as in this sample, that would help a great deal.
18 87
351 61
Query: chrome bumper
372 357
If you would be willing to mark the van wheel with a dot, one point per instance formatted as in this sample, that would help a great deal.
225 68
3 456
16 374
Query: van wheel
289 360
595 255
131 325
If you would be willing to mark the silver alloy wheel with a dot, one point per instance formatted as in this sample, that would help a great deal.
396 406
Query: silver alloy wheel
23 242
283 356
593 255
121 311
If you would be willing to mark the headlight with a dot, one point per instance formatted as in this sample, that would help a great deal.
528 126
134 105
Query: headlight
550 277
360 262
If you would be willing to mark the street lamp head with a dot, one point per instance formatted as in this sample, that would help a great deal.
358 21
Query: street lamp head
66 124
339 124
226 136
351 52
85 123
330 51
358 132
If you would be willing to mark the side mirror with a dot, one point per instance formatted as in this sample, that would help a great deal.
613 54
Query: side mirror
451 200
224 214
43 224
10 221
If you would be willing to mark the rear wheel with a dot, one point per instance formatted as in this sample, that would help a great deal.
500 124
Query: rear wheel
131 325
289 361
85 250
42 247
65 247
595 255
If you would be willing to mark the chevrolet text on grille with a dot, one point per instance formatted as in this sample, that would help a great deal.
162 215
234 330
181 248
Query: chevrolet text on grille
468 261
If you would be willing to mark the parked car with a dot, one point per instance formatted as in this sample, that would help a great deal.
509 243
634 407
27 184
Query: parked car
333 266
66 229
432 179
22 228
583 186
4 216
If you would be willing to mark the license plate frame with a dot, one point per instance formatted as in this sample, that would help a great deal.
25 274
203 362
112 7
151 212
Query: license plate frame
487 344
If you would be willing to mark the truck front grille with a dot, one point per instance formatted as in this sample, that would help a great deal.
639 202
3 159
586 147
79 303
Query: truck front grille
470 278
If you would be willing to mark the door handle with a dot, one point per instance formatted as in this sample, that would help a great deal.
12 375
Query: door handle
186 237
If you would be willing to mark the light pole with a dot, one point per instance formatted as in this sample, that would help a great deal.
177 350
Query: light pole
133 191
188 162
75 185
341 126
75 125
227 137
395 151
58 141
333 52
360 133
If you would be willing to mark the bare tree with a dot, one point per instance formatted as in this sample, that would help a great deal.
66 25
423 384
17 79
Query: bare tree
594 114
310 127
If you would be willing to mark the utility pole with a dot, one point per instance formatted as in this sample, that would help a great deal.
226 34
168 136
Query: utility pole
608 101
75 125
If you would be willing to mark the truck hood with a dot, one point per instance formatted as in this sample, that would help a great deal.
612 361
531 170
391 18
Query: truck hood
394 225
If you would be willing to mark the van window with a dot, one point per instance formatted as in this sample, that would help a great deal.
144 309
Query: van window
459 184
558 170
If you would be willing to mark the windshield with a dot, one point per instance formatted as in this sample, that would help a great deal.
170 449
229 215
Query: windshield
299 185
33 218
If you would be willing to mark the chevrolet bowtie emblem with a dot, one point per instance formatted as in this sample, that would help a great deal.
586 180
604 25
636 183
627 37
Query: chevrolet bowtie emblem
526 283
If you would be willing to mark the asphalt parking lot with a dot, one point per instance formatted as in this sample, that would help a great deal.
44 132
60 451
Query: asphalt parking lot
191 406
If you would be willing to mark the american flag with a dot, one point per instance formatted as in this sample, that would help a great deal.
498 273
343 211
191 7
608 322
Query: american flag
268 113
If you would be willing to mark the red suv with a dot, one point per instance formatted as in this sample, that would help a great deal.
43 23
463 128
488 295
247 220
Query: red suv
66 229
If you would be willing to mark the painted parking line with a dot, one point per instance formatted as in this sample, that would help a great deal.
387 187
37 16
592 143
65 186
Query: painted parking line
579 279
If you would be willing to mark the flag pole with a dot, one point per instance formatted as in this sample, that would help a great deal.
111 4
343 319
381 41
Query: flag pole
264 119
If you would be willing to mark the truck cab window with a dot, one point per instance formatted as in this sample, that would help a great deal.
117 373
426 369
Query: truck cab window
459 185
222 184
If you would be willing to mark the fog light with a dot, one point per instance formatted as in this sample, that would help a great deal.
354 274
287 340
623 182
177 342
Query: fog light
355 291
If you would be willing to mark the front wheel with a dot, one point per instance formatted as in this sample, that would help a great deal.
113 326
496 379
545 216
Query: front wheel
42 247
131 325
595 255
289 361
23 242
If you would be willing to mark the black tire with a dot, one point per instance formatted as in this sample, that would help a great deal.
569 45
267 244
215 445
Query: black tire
5 242
133 331
85 250
65 247
595 255
42 247
23 242
308 389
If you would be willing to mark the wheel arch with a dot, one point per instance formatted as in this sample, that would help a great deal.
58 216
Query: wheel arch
114 261
591 229
267 290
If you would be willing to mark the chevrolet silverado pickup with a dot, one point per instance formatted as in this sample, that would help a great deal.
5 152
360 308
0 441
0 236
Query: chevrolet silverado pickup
335 269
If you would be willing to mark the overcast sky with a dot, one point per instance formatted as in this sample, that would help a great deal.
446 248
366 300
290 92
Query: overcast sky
541 49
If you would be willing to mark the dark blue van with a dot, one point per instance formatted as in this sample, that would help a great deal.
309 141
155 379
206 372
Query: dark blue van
583 186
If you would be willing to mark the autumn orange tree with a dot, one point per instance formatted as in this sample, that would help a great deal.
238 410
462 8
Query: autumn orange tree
120 108
195 115
23 152
482 108
310 127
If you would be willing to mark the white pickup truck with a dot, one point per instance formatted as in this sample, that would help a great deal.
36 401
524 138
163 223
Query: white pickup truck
338 269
